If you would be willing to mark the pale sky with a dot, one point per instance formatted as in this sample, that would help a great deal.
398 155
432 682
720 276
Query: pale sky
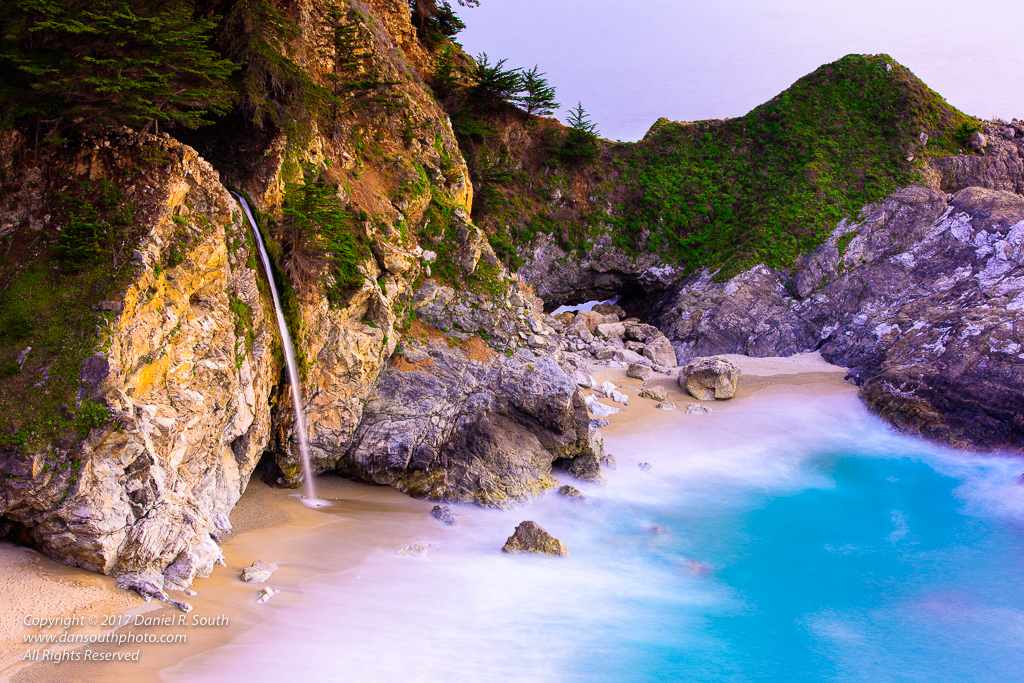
632 62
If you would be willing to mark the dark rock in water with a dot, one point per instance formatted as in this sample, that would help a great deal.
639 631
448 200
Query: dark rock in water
529 537
443 513
710 378
645 466
610 461
571 492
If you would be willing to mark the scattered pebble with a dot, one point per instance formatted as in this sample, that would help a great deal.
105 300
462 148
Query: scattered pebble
266 594
414 550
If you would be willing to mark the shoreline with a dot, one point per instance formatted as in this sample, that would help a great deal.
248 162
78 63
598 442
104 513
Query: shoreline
269 525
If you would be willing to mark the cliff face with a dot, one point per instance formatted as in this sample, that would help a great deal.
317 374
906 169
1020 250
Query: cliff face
125 451
182 360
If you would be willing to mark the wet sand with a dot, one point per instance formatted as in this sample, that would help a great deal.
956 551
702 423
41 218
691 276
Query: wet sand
271 525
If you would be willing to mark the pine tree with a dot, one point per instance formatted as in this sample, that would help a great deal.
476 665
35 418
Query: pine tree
494 83
537 96
581 140
109 62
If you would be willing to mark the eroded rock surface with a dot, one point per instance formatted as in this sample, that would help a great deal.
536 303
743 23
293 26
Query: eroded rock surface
708 379
921 299
529 537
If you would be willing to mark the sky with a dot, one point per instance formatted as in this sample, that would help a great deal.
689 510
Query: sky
630 63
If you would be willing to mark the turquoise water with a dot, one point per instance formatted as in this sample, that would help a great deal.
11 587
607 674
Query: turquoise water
789 538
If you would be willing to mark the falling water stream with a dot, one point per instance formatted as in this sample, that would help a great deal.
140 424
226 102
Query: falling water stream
310 499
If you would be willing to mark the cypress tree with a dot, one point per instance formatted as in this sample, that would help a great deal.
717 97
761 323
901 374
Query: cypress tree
581 139
537 96
109 62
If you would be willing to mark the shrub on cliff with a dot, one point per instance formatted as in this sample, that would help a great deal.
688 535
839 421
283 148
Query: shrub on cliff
320 239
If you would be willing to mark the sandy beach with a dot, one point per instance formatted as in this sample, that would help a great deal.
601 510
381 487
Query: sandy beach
270 525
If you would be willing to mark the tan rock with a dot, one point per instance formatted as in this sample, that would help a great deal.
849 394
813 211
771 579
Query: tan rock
529 537
710 378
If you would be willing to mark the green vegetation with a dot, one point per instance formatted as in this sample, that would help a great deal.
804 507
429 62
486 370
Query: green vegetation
772 185
52 283
535 96
320 240
109 62
580 142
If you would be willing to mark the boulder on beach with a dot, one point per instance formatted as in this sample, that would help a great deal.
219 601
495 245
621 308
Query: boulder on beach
529 537
259 572
666 405
655 393
711 378
598 408
443 513
639 371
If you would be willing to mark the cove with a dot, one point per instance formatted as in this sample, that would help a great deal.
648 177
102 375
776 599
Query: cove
792 537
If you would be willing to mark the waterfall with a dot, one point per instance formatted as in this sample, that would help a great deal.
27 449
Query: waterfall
293 369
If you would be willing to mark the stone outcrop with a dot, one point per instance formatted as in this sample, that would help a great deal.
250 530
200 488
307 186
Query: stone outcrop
149 492
708 379
529 537
921 299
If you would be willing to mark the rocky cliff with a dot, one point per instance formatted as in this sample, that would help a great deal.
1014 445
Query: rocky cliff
142 379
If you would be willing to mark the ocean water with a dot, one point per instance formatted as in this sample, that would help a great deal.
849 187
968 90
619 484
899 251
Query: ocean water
789 538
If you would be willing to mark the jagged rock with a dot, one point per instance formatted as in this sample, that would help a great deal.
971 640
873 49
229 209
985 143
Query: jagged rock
666 405
710 378
697 409
529 537
443 513
605 353
660 352
609 309
259 572
598 423
611 330
571 492
641 372
467 431
656 393
598 408
414 550
977 141
921 305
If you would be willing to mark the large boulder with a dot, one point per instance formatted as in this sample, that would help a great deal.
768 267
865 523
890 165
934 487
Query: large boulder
529 537
660 352
708 379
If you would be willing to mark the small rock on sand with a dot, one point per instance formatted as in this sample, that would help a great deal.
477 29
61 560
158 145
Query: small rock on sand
414 550
697 409
266 594
666 405
259 572
656 393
